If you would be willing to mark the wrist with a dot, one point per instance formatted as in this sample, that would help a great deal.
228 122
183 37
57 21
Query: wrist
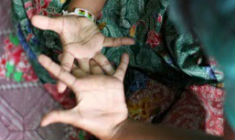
94 8
119 129
81 13
117 126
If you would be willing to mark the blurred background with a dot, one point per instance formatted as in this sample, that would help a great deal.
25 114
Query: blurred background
22 104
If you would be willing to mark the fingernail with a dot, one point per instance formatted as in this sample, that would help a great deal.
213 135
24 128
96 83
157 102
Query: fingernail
126 55
40 57
32 19
43 124
92 62
61 89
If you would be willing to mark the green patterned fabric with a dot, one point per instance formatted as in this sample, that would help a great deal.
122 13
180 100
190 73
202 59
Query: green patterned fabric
160 51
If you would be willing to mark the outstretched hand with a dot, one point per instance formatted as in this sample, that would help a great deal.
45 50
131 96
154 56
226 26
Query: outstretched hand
81 39
100 98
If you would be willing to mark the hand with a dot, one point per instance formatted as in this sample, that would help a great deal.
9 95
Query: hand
101 102
81 39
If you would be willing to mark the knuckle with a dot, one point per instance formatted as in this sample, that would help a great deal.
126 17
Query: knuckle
105 64
96 70
75 85
118 40
61 72
124 62
121 69
95 67
57 113
66 66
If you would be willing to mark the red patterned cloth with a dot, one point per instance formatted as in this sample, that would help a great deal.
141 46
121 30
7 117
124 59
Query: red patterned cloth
64 99
200 107
36 7
15 55
212 99
154 39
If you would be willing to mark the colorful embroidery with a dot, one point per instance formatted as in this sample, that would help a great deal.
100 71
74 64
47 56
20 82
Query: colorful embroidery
153 39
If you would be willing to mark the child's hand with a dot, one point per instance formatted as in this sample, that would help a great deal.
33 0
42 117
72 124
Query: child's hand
101 102
80 37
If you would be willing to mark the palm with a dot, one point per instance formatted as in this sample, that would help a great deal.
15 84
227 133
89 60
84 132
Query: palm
87 49
80 34
101 106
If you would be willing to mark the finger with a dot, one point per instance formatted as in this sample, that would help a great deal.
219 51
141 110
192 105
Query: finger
121 70
59 72
84 64
66 63
59 116
95 68
104 63
114 42
47 23
78 73
60 59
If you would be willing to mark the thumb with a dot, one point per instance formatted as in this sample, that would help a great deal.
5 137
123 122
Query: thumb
115 42
59 116
47 23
